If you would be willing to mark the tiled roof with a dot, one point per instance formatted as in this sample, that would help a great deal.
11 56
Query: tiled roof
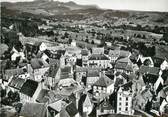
127 86
57 105
12 72
103 81
64 113
29 88
81 69
33 110
161 52
66 69
124 75
98 57
146 94
119 53
120 65
129 67
93 73
124 64
53 61
42 96
53 96
16 83
124 53
85 69
149 70
65 76
96 50
124 60
120 115
66 72
114 53
84 52
87 101
37 43
105 105
71 109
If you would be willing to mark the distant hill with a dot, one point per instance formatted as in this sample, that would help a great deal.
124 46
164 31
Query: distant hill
45 7
72 10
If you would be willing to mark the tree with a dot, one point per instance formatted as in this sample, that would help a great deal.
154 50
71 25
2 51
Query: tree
28 28
10 94
142 48
151 51
86 40
55 39
165 75
165 37
66 35
50 33
3 93
148 106
139 27
16 97
70 40
147 62
12 40
57 34
92 42
6 101
144 37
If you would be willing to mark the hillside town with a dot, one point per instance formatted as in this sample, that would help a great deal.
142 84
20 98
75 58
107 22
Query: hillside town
96 67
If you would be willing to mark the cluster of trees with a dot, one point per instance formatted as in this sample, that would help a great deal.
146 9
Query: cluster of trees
156 29
66 35
165 36
9 98
28 28
140 36
11 39
144 50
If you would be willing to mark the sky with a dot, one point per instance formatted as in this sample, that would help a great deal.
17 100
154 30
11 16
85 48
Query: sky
142 5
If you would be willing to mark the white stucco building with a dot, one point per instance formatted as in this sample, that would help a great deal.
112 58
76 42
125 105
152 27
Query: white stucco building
124 102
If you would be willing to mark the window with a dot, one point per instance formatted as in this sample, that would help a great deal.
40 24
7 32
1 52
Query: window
126 108
119 109
126 98
120 103
120 98
126 103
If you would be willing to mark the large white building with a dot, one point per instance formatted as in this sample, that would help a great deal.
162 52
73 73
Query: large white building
124 101
98 60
